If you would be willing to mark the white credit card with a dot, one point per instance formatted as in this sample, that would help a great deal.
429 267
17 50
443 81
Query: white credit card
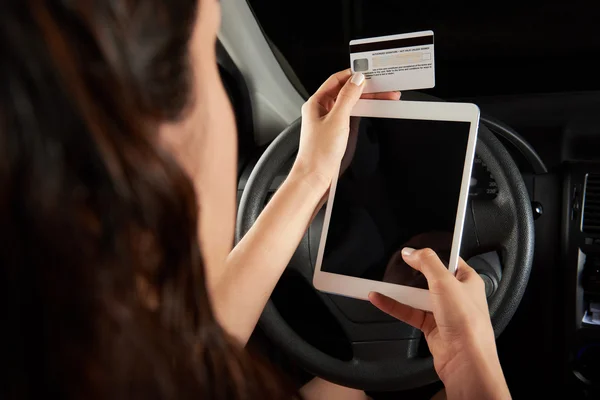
395 62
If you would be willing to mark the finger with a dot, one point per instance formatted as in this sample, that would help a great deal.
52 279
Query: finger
330 89
412 316
464 272
349 95
382 96
427 262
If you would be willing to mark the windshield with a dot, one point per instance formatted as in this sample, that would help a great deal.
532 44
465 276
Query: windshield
482 49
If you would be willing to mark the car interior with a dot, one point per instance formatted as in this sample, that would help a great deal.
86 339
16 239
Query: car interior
533 220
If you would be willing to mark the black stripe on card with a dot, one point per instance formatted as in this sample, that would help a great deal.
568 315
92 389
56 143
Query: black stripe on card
392 44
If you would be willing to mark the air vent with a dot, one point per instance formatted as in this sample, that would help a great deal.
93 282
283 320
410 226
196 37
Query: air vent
590 220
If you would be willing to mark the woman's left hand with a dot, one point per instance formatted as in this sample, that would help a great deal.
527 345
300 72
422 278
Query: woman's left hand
326 123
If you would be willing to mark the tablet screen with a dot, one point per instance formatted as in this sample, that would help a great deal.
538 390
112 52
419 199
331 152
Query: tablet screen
399 186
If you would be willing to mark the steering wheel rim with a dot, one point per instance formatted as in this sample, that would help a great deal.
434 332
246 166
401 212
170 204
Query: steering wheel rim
509 214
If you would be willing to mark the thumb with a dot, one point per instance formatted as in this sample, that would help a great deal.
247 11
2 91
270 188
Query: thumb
349 95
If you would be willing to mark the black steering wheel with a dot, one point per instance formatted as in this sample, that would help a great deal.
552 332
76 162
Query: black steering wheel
386 353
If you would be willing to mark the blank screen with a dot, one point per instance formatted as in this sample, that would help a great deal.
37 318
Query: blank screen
399 186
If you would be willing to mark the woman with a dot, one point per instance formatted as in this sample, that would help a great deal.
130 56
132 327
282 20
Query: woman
117 203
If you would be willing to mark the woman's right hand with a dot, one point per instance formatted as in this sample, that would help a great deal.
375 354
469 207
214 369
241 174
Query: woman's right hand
459 332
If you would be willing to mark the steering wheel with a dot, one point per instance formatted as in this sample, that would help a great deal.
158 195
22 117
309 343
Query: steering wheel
386 353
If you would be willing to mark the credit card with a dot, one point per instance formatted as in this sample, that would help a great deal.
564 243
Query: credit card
395 62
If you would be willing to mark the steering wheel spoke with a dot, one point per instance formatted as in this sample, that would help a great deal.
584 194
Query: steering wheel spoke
363 322
301 261
494 223
375 351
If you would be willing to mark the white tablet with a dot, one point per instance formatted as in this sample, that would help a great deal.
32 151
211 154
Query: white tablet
404 181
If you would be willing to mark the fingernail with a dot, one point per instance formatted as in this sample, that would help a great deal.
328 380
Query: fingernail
407 251
358 78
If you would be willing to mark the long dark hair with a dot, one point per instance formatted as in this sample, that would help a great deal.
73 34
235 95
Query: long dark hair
102 283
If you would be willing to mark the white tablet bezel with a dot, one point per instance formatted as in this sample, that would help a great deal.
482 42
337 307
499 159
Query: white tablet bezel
416 110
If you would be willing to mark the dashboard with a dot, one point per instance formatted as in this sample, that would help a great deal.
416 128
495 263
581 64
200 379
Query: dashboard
483 185
562 125
554 291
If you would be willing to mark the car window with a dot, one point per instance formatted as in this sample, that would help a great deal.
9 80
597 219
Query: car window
489 48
